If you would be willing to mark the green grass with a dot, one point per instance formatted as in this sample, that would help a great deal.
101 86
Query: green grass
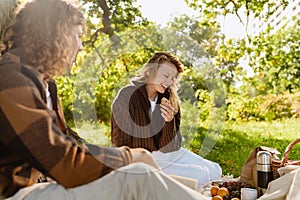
228 144
95 133
237 140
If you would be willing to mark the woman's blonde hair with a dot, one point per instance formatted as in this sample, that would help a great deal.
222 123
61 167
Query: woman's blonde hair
151 67
43 30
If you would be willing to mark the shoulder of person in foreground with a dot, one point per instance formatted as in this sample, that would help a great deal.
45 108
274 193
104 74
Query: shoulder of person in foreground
32 133
29 131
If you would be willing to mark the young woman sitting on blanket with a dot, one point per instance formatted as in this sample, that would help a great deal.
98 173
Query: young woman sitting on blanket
147 114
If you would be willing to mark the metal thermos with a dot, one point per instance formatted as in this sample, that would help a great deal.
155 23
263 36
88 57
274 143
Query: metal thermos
264 171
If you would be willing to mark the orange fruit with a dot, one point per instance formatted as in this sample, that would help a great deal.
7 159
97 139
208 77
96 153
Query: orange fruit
214 190
217 197
223 191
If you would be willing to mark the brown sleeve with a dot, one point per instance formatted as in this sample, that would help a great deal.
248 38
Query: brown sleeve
86 167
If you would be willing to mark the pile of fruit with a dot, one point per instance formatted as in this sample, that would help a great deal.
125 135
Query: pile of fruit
230 190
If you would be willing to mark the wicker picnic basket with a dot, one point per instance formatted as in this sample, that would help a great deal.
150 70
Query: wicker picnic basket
284 161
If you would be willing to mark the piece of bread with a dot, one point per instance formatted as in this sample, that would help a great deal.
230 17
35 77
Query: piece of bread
164 100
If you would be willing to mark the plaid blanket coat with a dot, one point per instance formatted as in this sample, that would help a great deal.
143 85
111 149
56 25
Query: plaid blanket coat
31 141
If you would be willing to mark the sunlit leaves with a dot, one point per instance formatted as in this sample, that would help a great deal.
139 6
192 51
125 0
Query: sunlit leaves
243 9
276 57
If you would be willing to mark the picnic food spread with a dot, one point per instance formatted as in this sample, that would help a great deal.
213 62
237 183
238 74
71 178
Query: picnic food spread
261 176
227 190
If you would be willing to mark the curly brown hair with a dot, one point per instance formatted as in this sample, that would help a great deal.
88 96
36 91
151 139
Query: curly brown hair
43 30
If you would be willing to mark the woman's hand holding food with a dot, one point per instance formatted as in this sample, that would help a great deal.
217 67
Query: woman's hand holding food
167 110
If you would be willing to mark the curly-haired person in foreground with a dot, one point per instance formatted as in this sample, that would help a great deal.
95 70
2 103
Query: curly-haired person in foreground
44 41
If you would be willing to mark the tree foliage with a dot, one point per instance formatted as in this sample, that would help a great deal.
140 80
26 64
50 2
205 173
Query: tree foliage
103 70
243 9
188 30
276 59
111 17
119 40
